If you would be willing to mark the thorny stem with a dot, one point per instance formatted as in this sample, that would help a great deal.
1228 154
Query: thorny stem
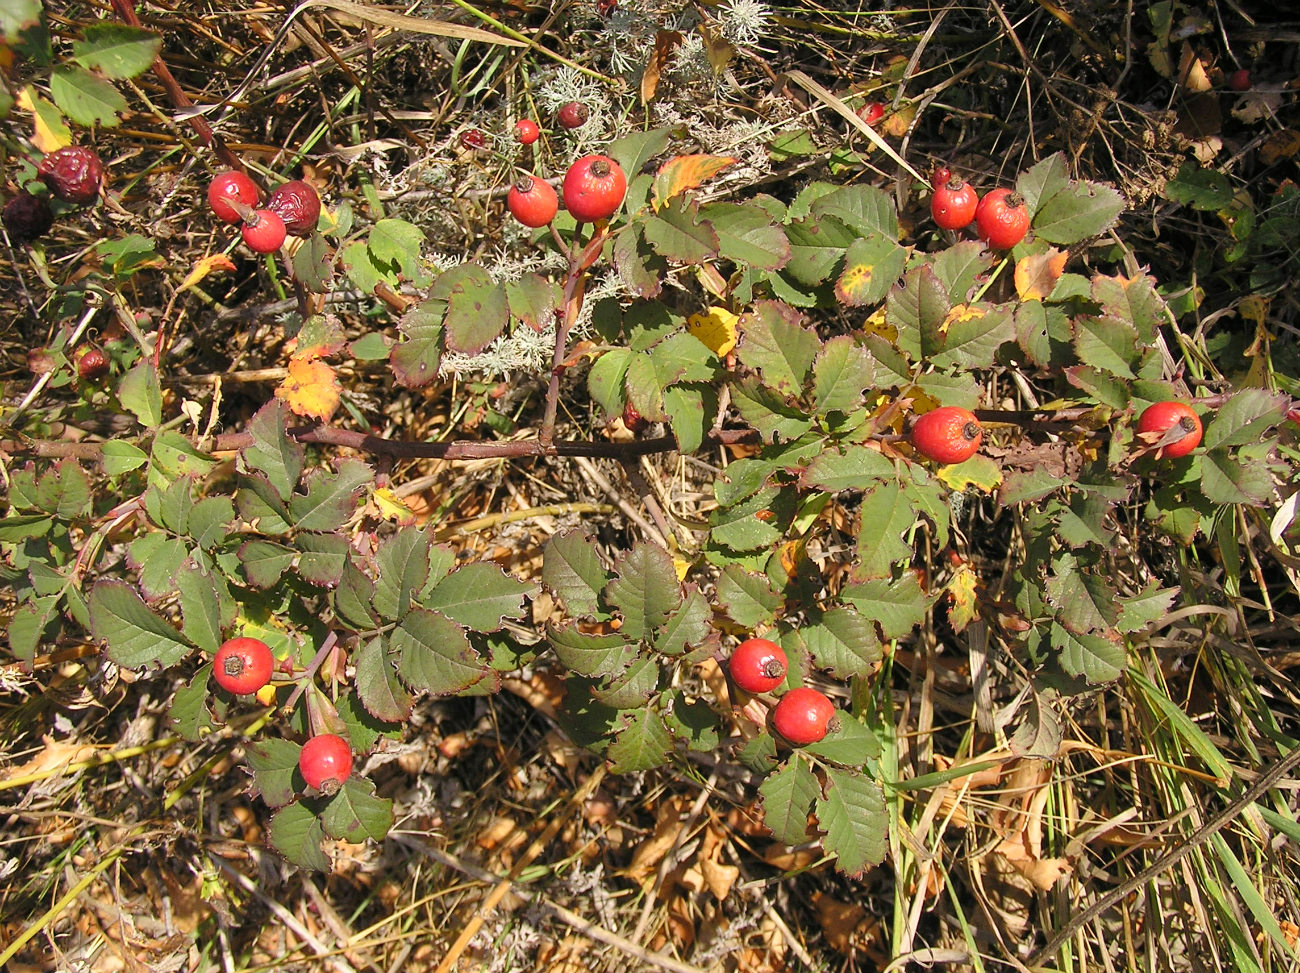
575 284
309 674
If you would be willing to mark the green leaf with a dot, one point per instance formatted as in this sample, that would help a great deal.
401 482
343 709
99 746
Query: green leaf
606 378
332 496
896 606
188 714
85 98
645 591
695 723
175 456
632 688
434 655
354 597
122 457
872 266
1134 300
818 246
865 209
1203 189
851 744
641 742
1244 418
1043 181
959 269
974 334
842 642
748 599
1106 343
777 346
402 568
128 254
682 358
768 411
397 243
533 300
321 557
747 236
1090 657
677 233
842 370
643 388
313 265
17 15
479 596
1084 602
477 309
265 562
141 393
32 623
272 453
356 812
274 763
64 490
415 359
296 833
633 151
788 796
885 514
852 813
917 309
855 467
136 636
754 524
596 656
573 571
209 520
690 625
158 558
116 50
1079 212
1147 607
690 410
200 608
258 504
1228 479
381 692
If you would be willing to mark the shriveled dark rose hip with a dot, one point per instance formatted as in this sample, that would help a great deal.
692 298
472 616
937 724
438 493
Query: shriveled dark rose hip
27 217
298 204
74 174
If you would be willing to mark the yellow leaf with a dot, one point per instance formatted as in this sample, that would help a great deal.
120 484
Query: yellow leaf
393 508
877 324
960 313
50 131
206 266
311 389
962 607
715 329
686 172
1036 275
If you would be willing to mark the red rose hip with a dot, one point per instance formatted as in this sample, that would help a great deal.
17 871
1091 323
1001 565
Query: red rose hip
953 204
573 114
298 204
230 190
593 188
326 762
949 434
74 174
242 665
526 131
264 231
758 665
1174 421
871 112
532 201
1002 219
92 365
803 716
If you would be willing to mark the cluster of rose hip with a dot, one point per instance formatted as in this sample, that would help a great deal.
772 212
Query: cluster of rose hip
1001 217
292 210
951 434
801 715
73 174
593 186
243 667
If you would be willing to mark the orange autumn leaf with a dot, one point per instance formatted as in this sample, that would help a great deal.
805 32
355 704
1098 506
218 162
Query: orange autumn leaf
686 172
311 388
666 42
206 266
1036 276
